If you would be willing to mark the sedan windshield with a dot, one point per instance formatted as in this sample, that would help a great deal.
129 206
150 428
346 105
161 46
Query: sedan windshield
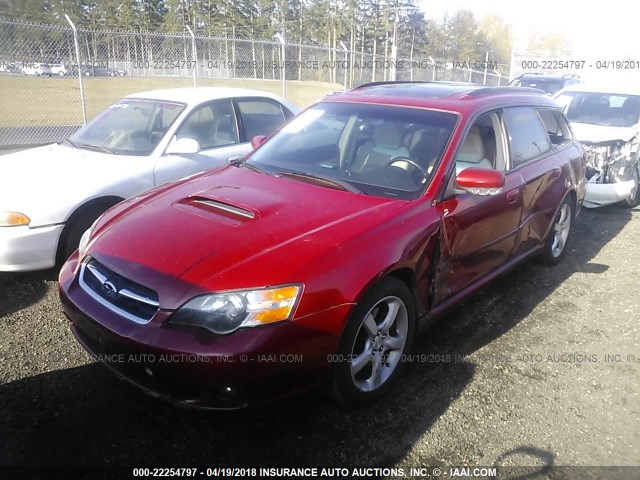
129 127
385 151
601 108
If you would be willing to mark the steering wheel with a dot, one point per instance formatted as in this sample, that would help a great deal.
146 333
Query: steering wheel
408 161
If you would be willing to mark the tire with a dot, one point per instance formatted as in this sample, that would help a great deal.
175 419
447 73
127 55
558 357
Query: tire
371 352
555 245
634 199
72 233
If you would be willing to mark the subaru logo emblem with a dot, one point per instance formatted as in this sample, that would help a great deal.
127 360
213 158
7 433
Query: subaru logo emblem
109 289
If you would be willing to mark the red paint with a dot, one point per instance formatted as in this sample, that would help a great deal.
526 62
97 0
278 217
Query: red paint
335 243
480 178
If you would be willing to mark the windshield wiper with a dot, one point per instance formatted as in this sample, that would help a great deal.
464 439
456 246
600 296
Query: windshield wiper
250 166
99 148
69 142
318 180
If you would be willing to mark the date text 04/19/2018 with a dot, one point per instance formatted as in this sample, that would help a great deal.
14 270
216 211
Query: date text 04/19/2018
602 64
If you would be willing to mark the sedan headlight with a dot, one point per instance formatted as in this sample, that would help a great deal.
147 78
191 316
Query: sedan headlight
226 312
13 219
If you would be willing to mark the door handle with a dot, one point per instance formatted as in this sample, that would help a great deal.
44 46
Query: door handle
513 195
555 173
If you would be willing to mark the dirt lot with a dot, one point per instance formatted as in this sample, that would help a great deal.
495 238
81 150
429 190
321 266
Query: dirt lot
528 383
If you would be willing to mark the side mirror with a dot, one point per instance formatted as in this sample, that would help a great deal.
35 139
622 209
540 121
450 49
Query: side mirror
257 141
480 181
182 146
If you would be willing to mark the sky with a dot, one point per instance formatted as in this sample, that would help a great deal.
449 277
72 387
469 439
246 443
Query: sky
609 27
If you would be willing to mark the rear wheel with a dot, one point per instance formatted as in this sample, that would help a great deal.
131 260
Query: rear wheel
634 199
371 353
555 246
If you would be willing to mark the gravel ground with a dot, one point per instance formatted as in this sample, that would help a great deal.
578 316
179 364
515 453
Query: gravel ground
527 383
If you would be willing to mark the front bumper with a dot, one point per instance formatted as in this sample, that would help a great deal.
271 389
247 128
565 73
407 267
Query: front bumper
197 369
23 248
601 194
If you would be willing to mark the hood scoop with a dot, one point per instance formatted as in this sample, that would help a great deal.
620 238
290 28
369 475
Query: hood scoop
218 206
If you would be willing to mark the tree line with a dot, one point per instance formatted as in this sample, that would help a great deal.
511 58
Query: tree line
364 26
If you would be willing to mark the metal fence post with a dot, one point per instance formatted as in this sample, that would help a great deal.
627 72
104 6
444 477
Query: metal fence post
194 56
346 63
283 73
77 48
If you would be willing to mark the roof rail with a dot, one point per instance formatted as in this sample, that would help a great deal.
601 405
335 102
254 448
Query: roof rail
388 82
492 90
413 82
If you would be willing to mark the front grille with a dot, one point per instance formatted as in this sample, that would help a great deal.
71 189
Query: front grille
125 297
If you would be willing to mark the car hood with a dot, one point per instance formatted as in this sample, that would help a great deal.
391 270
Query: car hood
601 134
228 229
45 182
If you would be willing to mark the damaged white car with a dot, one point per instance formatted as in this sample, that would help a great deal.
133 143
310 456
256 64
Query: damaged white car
607 123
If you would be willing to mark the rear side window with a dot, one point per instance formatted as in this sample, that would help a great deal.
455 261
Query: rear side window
527 136
260 116
556 125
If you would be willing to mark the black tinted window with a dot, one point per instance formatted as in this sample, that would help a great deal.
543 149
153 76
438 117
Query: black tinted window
260 117
527 137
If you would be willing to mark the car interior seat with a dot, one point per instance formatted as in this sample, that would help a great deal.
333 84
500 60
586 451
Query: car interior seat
386 143
224 133
631 109
472 152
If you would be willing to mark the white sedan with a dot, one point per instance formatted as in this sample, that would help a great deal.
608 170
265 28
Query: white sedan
50 195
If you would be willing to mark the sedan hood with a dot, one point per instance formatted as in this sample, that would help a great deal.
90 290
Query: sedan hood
601 134
45 182
232 228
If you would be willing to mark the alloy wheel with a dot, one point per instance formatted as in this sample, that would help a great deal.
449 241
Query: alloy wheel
379 343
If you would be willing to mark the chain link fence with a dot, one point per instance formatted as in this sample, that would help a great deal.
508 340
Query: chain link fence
53 78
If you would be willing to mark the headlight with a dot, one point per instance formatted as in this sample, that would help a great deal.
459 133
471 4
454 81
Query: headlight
84 240
226 312
13 219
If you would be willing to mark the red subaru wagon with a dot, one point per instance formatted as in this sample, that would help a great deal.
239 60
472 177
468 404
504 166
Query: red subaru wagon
317 258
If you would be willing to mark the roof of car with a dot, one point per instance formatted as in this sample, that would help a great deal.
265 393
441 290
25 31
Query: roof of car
191 95
454 96
546 76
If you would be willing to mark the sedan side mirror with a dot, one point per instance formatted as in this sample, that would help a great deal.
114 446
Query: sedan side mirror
257 141
480 181
182 146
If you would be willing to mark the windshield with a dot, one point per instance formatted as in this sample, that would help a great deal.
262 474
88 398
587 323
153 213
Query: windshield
129 127
601 108
376 150
549 86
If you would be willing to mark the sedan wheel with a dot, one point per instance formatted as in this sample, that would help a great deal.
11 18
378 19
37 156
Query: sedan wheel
372 349
379 344
556 242
561 230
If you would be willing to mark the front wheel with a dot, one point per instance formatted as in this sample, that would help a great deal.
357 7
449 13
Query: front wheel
555 245
73 232
371 353
634 199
